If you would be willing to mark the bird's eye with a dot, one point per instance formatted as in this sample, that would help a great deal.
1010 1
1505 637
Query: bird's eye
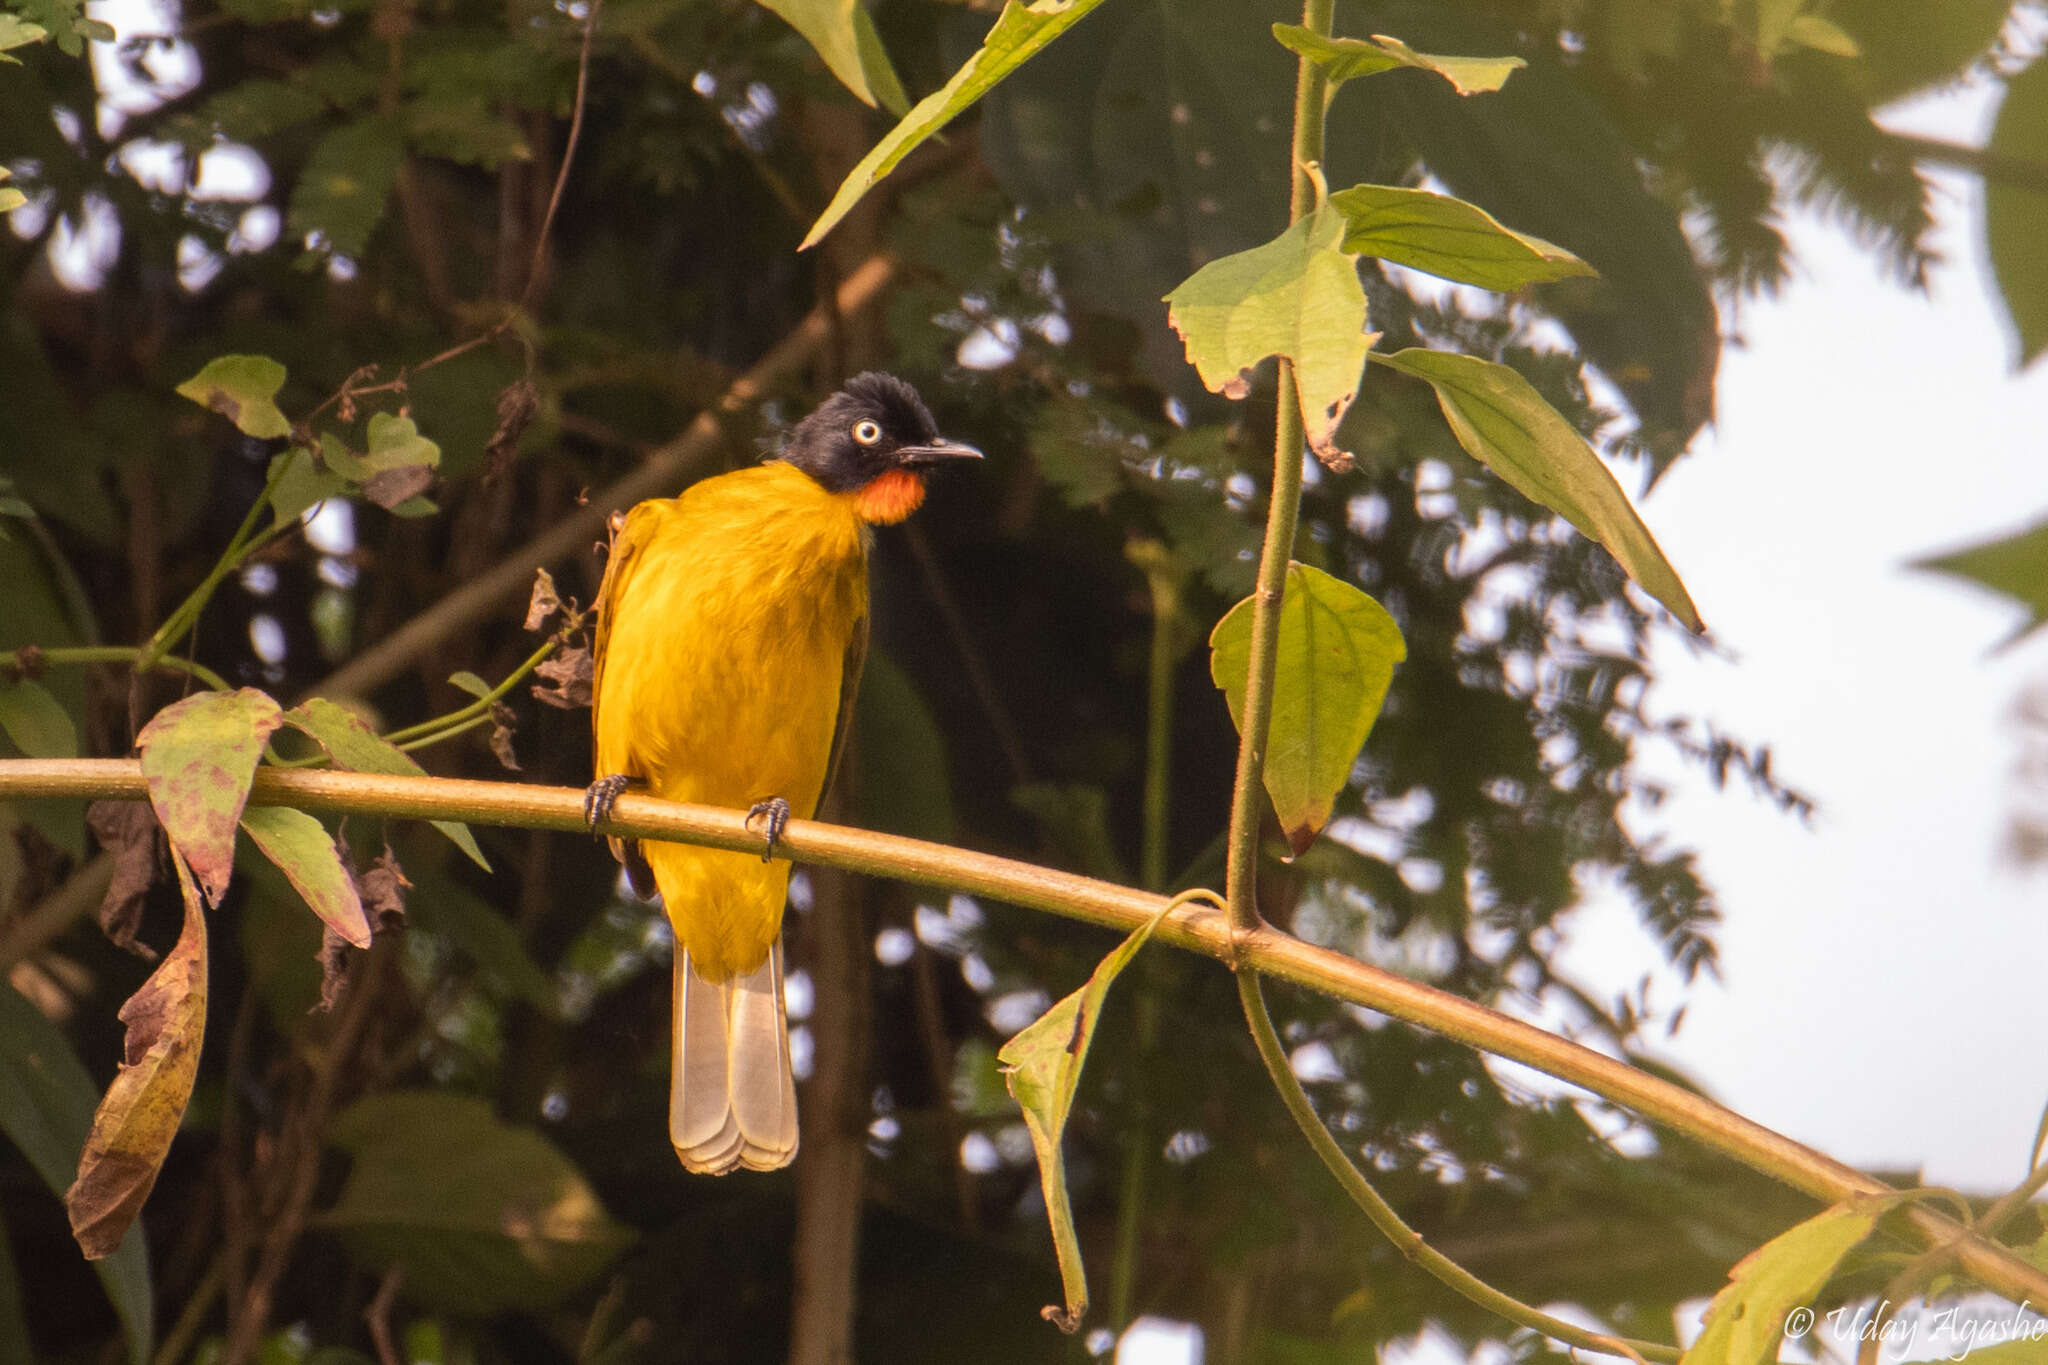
867 431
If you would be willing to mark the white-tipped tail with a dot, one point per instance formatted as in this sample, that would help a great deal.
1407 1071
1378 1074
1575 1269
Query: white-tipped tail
732 1095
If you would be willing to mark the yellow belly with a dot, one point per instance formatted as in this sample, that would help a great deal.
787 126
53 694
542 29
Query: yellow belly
721 677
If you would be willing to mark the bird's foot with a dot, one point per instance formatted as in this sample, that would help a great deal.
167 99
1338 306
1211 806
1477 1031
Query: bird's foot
600 796
776 811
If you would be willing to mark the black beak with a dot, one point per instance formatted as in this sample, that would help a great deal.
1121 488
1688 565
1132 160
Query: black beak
936 452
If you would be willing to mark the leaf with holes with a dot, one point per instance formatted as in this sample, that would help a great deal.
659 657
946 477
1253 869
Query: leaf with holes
305 853
1745 1324
1020 31
1297 296
355 746
1344 59
1448 238
1507 426
1042 1066
135 1122
1335 660
243 389
199 756
35 722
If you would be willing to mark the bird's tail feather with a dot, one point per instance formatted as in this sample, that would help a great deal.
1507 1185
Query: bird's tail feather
732 1094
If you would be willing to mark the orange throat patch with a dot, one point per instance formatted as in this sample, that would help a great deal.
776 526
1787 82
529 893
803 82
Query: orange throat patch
889 498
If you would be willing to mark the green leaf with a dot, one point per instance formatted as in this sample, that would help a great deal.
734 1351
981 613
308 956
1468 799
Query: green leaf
874 60
11 198
301 484
243 389
1042 1066
199 756
46 1104
851 49
35 722
1506 425
1344 59
1297 296
18 32
2015 565
1745 1324
355 746
471 683
485 1217
1822 35
1909 45
2016 216
345 184
1448 238
1019 32
305 853
479 932
141 1111
463 128
901 783
1336 657
395 443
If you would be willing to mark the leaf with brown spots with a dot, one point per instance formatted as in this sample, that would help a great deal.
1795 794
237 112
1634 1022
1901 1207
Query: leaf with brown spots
200 755
136 1120
127 833
353 745
302 850
545 601
570 672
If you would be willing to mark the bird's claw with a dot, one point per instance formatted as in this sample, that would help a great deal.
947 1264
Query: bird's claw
600 796
777 812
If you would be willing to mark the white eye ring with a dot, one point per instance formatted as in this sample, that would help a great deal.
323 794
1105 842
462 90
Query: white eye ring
867 431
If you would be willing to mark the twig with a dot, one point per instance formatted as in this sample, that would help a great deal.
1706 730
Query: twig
378 1316
547 222
1199 929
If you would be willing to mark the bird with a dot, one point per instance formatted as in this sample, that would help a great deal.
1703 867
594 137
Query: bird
732 622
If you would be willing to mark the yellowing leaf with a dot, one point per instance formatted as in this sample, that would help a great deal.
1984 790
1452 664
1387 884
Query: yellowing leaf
135 1122
243 389
1745 1324
1344 59
34 720
843 35
1448 238
9 198
1297 296
2015 565
303 851
1019 32
356 747
1506 425
1336 659
484 1216
199 756
1042 1066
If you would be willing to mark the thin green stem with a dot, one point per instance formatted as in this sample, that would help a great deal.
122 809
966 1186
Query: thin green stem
244 543
482 705
1407 1240
451 732
66 655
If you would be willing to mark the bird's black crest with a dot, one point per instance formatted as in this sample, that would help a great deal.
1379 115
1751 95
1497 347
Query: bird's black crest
822 445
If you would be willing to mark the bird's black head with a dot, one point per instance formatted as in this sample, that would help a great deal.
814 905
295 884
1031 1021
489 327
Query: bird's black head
875 440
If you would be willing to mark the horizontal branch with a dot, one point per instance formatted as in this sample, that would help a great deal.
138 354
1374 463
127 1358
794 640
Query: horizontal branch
1196 927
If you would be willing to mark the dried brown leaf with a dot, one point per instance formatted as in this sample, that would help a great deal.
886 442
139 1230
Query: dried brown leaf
517 404
390 487
570 672
505 721
127 831
383 886
545 602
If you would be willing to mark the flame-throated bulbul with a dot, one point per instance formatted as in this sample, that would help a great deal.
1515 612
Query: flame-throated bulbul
731 628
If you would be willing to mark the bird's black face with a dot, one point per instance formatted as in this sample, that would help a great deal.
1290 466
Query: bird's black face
875 425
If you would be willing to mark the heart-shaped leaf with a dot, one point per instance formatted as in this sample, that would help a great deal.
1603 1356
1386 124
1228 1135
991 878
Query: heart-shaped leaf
243 389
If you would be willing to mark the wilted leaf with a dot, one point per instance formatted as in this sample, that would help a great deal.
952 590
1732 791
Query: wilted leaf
127 833
200 755
485 1217
1745 1324
243 389
1019 32
304 852
1297 296
334 951
345 184
382 888
2016 214
1344 59
1335 661
1448 238
517 404
570 673
1506 425
356 747
1042 1066
834 29
35 722
2015 566
46 1104
134 1124
544 602
504 723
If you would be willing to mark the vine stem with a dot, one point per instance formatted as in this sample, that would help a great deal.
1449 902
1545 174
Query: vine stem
1197 928
63 655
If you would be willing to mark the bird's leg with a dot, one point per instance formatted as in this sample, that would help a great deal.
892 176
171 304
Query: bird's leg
777 812
603 794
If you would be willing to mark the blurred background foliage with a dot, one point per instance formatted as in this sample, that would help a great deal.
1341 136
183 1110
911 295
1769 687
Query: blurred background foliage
363 183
